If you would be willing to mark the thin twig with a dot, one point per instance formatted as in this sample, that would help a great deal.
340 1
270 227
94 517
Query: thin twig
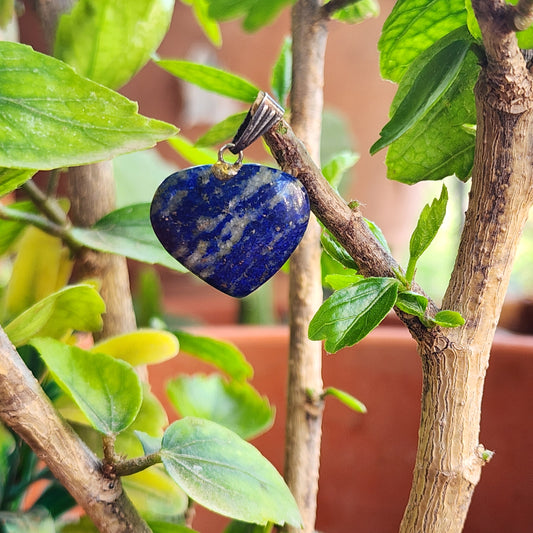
138 464
47 205
523 15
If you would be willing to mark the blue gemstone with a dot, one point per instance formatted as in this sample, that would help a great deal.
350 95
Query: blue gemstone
234 234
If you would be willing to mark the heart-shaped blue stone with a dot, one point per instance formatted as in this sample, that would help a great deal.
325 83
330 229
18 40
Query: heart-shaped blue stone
234 234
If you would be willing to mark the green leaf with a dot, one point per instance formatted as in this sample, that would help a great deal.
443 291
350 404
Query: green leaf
224 355
335 250
141 347
7 447
413 26
263 13
158 526
109 41
428 225
378 234
235 526
347 399
447 319
233 404
192 154
75 307
357 12
281 79
7 9
348 315
222 131
107 390
150 444
67 120
338 165
226 474
412 303
208 24
256 13
437 145
13 178
341 281
432 81
211 79
127 231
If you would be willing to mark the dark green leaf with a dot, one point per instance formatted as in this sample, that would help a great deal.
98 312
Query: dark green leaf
107 390
235 526
346 398
413 26
224 355
357 12
127 231
157 526
226 474
222 131
282 72
378 234
66 119
447 319
233 404
350 314
211 79
337 166
431 83
336 251
109 41
428 225
412 303
7 447
13 178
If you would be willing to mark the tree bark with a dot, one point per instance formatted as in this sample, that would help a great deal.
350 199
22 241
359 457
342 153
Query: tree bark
92 195
26 410
450 457
304 412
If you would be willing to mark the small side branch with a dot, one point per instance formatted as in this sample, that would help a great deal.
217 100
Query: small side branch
331 7
523 15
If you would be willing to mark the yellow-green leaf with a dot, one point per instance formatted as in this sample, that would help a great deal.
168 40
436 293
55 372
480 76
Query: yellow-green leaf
142 347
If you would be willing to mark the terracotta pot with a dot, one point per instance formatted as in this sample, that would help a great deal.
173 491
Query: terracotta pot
367 460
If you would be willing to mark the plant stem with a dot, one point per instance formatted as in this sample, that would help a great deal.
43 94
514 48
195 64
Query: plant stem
25 408
132 466
304 417
92 194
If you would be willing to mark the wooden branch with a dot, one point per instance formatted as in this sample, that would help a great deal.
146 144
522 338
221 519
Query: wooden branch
449 456
92 195
26 410
304 417
332 6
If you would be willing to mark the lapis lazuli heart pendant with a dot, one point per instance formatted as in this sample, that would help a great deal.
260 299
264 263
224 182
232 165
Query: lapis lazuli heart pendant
235 234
